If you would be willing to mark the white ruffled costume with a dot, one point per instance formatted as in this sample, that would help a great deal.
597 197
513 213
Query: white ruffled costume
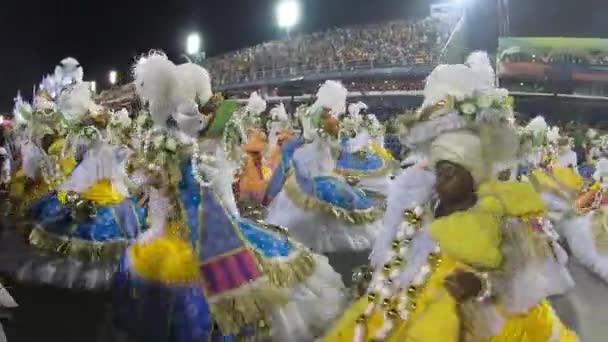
310 218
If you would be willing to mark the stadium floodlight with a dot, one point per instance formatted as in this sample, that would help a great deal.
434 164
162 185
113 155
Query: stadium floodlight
113 77
93 86
193 44
288 13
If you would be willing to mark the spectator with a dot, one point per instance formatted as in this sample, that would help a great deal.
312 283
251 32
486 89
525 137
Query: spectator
393 43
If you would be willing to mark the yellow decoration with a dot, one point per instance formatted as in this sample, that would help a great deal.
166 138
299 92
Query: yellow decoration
266 172
539 324
433 304
518 199
167 260
68 162
567 177
56 147
27 193
381 151
102 193
473 236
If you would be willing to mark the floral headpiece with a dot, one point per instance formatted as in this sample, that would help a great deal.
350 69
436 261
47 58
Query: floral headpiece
457 97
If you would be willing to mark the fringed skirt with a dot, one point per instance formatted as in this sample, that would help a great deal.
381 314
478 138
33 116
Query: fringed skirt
78 252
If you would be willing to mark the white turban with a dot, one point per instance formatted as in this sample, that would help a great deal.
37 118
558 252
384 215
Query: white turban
462 148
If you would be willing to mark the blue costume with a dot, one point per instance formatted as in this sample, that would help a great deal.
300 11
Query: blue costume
78 240
359 163
243 269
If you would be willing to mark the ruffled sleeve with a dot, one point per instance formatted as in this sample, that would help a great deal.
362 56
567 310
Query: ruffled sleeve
474 236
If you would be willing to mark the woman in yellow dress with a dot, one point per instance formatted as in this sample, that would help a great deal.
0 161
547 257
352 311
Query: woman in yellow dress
478 263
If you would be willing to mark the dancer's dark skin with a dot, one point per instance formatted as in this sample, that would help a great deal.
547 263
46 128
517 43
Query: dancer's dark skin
455 188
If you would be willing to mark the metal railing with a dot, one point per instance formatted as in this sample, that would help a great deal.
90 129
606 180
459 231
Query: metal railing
267 74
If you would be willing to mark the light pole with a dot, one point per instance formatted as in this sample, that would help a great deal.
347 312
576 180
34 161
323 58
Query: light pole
504 20
288 14
113 77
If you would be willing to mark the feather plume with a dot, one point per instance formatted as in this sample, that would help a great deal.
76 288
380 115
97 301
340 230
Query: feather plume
278 113
332 95
155 82
194 83
256 104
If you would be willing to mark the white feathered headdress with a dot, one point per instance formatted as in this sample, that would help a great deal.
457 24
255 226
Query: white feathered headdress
460 81
22 111
458 96
76 102
553 135
173 91
194 83
464 97
256 104
278 113
68 71
331 95
538 124
354 109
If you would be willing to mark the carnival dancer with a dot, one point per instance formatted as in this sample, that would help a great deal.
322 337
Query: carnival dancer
253 175
325 212
280 130
202 272
83 225
582 221
41 147
363 155
478 259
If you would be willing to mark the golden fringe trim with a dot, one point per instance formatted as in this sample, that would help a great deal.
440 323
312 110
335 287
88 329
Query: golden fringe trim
81 249
307 202
250 304
286 272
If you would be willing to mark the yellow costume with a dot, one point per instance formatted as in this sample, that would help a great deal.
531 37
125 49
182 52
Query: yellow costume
39 187
469 240
381 151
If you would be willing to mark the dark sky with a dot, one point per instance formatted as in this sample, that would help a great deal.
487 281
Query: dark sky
107 34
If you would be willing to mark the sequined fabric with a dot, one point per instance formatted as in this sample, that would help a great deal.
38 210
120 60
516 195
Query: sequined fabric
334 191
269 244
275 185
359 161
123 220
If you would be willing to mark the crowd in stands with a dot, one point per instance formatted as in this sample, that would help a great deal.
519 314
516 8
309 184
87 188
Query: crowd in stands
351 48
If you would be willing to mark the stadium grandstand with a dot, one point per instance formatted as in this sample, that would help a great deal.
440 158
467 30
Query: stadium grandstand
385 65
380 55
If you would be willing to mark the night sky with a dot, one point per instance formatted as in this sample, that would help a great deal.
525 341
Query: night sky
108 34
